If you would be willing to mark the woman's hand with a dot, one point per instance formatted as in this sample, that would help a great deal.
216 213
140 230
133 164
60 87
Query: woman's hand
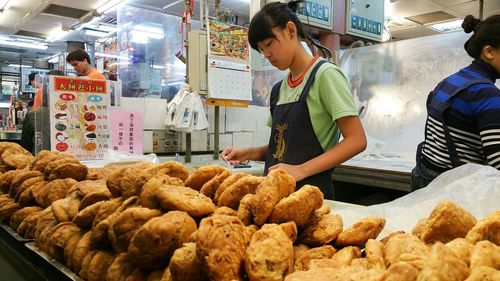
296 171
234 155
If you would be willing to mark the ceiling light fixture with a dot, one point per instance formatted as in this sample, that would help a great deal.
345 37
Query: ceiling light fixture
95 33
24 44
17 65
56 34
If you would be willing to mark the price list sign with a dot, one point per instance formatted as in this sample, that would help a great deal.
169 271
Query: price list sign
80 117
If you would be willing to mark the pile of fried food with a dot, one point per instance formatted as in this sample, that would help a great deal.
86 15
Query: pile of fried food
159 222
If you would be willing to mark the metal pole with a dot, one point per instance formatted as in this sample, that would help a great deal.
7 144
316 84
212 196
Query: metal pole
216 132
188 29
481 6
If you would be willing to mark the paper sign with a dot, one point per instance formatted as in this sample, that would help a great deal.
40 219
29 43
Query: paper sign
79 117
126 133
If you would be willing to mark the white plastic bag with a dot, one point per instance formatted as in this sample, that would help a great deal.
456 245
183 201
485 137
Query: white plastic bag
174 104
199 121
184 114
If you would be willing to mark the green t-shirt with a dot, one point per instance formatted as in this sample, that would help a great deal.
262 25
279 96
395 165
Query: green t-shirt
329 99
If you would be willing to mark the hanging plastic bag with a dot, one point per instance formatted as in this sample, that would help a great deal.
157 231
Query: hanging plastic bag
199 121
174 103
184 114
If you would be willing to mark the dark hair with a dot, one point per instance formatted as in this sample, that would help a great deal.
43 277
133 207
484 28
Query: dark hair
78 55
486 32
274 15
31 77
56 72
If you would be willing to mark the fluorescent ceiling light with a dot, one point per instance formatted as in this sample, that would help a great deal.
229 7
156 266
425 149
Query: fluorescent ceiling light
110 56
108 5
449 26
96 33
17 65
150 31
24 44
56 34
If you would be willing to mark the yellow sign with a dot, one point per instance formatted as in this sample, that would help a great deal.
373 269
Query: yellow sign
227 103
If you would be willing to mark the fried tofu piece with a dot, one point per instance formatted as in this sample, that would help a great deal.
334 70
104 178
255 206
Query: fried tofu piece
270 254
185 264
324 252
358 233
154 243
487 228
401 271
446 222
298 207
277 185
443 265
404 244
462 248
233 194
322 230
220 244
186 199
202 175
485 253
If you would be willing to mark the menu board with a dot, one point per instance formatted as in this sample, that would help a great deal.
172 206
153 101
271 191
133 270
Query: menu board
79 117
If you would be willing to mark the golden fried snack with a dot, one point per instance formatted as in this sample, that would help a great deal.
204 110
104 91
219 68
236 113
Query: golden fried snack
85 217
70 248
172 169
484 273
27 197
52 191
229 181
42 159
17 158
154 243
98 266
130 177
203 175
442 264
76 171
233 194
298 207
26 228
148 197
126 224
113 181
138 275
211 186
358 233
94 197
250 231
121 268
401 271
224 211
345 256
322 230
19 216
290 228
420 227
83 188
320 274
404 244
82 248
220 244
99 173
183 198
485 253
487 228
43 238
60 209
86 263
8 209
324 252
106 209
269 246
277 185
244 212
462 248
19 178
155 275
361 264
61 234
25 185
6 180
446 222
390 235
59 160
185 264
298 251
374 252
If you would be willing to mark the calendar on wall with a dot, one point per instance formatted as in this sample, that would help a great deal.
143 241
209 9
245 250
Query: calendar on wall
229 71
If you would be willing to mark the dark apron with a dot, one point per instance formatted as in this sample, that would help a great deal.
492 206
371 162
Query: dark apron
422 174
293 140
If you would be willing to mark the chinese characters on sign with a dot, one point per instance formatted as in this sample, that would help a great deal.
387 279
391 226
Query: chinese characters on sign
126 131
79 117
